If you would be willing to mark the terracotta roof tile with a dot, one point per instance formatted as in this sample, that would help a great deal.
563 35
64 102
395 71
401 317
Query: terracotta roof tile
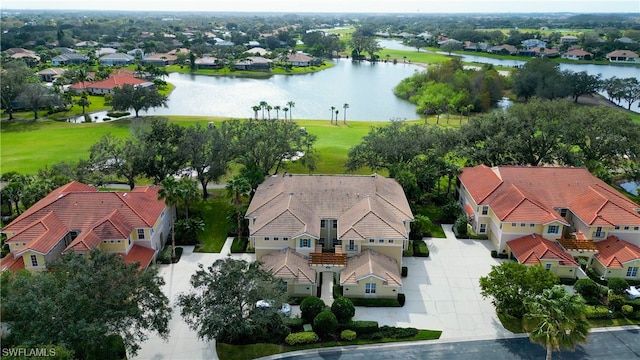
11 262
533 194
42 235
530 249
614 252
370 263
141 255
287 263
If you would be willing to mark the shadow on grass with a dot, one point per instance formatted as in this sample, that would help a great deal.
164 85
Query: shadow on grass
20 125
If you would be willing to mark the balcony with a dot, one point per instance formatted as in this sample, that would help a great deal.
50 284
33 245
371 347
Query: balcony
334 261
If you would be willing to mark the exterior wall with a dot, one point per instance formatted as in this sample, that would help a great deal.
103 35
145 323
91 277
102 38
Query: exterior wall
56 252
393 251
162 228
114 245
302 289
264 247
617 272
559 270
382 291
26 257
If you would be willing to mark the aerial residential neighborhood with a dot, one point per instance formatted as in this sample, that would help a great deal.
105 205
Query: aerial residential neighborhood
204 184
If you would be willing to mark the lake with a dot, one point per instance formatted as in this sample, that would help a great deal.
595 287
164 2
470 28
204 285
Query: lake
606 71
366 87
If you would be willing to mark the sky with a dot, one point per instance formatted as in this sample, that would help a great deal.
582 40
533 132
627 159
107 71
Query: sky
340 6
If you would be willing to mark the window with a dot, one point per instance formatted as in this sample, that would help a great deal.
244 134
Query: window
390 241
285 239
513 224
370 288
34 260
335 224
563 212
548 267
266 238
336 242
617 228
275 238
129 241
305 243
523 225
626 228
483 228
485 210
140 234
632 271
371 241
119 241
553 229
636 228
532 225
151 231
323 223
112 241
321 241
381 241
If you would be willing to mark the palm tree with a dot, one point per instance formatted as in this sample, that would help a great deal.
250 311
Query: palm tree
255 109
237 188
556 320
337 111
277 109
188 192
333 108
263 105
84 102
291 105
170 193
286 109
269 107
345 107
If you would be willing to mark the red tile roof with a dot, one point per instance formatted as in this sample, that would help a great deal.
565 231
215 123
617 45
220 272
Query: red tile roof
96 216
141 255
614 252
533 194
530 249
110 83
11 262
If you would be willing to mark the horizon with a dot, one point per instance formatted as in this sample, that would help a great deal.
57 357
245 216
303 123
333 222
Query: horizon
421 7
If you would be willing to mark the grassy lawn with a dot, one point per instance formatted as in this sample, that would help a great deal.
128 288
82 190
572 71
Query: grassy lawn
254 74
515 325
247 352
413 56
214 213
433 212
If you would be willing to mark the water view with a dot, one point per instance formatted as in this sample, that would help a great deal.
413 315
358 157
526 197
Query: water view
366 87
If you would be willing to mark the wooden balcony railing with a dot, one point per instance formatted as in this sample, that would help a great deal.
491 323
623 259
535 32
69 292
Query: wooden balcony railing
328 259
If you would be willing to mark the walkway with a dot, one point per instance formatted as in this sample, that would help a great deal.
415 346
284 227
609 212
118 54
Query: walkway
327 287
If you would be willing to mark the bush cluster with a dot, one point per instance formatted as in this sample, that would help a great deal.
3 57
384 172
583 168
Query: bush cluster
391 332
301 338
360 327
239 245
420 249
343 309
310 307
348 335
375 302
165 255
325 324
597 312
294 324
617 285
627 310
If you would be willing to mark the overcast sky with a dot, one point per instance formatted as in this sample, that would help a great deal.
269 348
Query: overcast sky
386 6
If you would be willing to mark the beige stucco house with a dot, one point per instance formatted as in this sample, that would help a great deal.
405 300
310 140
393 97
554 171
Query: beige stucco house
330 220
77 217
566 206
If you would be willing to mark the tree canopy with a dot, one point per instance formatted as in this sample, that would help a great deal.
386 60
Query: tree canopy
138 98
510 284
221 302
76 304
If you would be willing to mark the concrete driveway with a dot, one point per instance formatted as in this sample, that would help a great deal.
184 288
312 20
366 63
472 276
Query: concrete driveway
443 293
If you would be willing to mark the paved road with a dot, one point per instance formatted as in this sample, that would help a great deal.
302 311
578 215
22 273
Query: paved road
618 344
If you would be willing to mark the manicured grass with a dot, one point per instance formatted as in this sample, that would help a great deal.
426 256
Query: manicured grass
515 325
247 352
214 213
413 56
277 70
433 212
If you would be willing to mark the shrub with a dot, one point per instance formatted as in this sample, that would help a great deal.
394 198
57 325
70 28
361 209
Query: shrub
361 327
568 281
325 324
616 302
420 249
187 230
348 335
617 285
310 307
409 250
460 226
301 338
295 324
391 332
627 310
597 312
401 299
239 245
494 253
375 302
593 275
165 255
636 315
588 288
343 309
404 272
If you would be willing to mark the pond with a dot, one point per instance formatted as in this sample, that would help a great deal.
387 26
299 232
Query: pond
606 71
631 187
366 87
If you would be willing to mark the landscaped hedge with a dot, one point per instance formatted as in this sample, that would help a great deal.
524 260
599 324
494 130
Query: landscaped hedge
420 249
239 245
593 275
301 338
165 255
295 324
348 335
409 250
391 332
568 281
360 327
375 302
597 312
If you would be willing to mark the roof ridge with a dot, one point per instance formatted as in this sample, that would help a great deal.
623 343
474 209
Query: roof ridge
124 200
392 204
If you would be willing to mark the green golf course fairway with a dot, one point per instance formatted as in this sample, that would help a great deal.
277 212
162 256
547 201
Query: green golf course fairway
26 146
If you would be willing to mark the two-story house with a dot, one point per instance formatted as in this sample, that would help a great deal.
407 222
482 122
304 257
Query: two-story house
567 206
354 226
77 217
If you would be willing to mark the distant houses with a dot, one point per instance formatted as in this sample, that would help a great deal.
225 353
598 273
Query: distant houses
108 86
624 56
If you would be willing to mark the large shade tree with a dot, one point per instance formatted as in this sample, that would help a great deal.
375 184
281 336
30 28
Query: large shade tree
82 301
556 320
14 74
221 302
137 98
